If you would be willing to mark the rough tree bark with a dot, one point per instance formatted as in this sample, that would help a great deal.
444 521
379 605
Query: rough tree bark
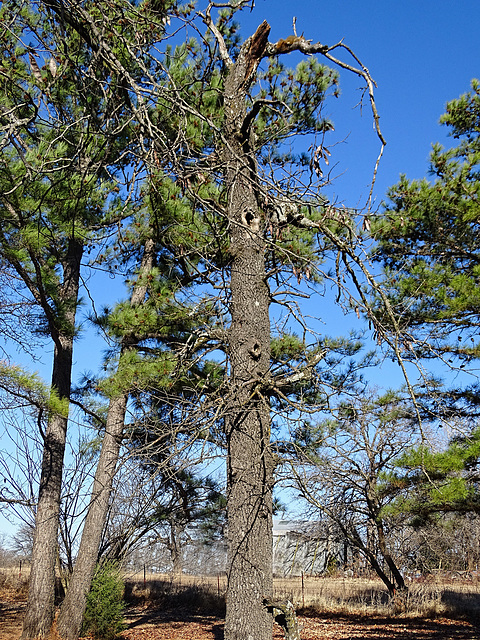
40 609
358 543
374 507
284 614
70 618
398 581
249 459
73 607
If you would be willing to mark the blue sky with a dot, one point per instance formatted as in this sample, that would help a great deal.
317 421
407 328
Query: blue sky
421 54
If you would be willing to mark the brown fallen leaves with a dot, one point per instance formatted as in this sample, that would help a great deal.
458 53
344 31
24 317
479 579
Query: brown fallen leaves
150 623
176 625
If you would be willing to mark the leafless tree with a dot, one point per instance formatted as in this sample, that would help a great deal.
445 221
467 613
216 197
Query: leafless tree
342 474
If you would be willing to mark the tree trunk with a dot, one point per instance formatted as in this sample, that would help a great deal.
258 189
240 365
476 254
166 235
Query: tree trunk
73 608
380 572
40 609
355 539
249 459
398 580
376 524
175 548
70 619
284 615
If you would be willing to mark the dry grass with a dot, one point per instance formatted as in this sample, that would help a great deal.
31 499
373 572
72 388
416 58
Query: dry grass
431 598
13 583
336 595
196 593
361 596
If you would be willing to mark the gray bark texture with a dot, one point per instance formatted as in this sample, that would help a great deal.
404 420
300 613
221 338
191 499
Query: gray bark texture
284 615
70 619
40 608
249 460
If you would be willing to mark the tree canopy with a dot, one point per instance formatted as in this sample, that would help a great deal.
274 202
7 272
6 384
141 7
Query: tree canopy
428 243
151 140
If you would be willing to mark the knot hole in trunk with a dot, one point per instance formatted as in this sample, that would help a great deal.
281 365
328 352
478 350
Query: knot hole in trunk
251 220
256 351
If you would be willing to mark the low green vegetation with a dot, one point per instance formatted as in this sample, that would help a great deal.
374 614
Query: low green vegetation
105 606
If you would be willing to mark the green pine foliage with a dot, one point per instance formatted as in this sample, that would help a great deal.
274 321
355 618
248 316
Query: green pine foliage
59 162
428 242
118 167
103 617
32 389
431 482
300 93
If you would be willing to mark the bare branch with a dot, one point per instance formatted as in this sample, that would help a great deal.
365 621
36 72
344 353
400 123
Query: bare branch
207 18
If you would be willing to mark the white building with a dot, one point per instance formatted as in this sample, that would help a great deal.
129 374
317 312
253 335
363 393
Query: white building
305 547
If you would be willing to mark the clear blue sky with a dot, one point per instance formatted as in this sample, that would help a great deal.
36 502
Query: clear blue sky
420 53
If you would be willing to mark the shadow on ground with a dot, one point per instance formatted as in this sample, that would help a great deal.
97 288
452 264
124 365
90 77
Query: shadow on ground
463 605
315 626
341 627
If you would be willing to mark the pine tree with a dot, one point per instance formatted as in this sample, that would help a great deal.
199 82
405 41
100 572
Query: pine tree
71 615
274 227
428 242
151 331
58 196
433 481
256 232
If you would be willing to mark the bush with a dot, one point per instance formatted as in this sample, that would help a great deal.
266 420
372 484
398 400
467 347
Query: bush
104 612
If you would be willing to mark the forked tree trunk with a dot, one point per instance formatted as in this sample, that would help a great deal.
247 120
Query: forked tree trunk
284 615
40 609
73 608
249 459
375 525
398 581
370 555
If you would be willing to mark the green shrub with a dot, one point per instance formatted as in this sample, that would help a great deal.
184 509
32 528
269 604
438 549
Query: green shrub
104 612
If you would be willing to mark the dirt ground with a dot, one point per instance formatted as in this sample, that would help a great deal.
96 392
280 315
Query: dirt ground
11 613
150 623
